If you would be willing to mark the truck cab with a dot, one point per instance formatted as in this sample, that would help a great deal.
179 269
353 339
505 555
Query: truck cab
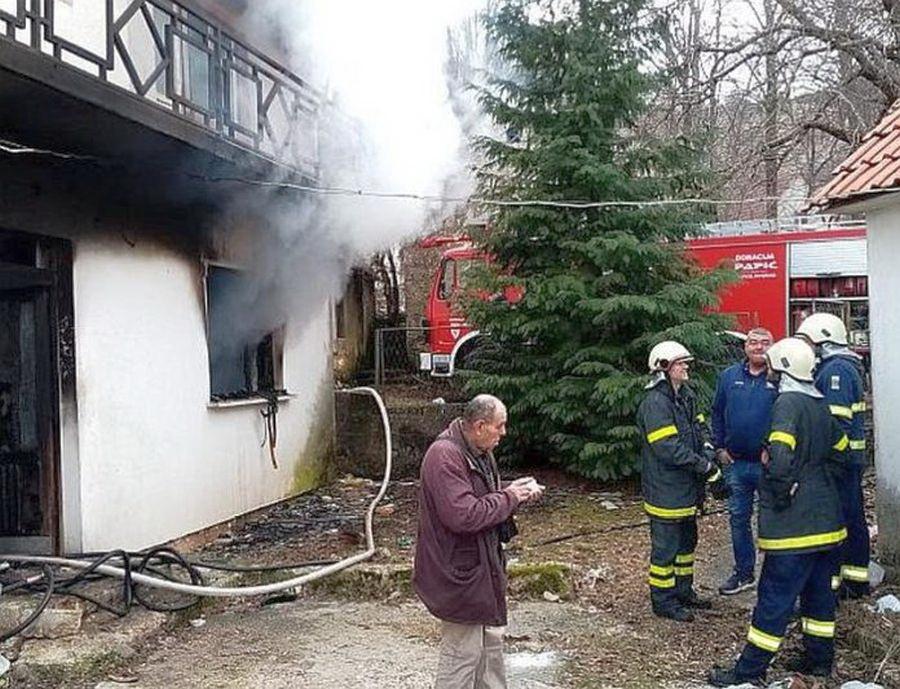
445 322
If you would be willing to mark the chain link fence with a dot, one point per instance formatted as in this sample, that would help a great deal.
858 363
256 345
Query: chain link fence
397 352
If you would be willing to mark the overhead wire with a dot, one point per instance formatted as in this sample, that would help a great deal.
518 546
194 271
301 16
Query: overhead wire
14 148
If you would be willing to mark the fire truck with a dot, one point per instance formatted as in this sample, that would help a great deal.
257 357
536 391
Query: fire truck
786 272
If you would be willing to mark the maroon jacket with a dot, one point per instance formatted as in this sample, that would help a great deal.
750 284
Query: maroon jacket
459 570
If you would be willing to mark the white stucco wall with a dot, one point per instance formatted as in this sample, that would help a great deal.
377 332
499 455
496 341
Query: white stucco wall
156 462
884 322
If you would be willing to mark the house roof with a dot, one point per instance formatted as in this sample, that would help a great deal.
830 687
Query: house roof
874 167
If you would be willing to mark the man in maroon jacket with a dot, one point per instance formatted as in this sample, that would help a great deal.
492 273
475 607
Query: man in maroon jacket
460 571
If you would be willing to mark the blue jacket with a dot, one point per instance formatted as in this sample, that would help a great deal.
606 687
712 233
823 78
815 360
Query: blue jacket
839 379
742 411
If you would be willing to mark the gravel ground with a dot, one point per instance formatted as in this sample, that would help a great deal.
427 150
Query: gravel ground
316 645
601 635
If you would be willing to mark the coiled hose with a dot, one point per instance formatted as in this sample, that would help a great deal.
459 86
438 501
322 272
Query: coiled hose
118 563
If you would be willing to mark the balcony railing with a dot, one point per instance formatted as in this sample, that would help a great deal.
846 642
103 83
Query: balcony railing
174 58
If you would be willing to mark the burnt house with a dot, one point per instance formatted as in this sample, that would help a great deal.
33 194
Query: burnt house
130 413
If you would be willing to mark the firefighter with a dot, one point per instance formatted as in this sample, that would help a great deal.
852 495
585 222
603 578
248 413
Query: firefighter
801 522
675 467
839 379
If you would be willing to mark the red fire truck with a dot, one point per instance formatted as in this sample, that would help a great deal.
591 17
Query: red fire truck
785 275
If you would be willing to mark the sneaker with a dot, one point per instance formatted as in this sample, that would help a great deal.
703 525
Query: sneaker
694 601
723 677
675 612
736 584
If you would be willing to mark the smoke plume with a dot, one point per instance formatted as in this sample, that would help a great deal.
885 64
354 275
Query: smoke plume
391 123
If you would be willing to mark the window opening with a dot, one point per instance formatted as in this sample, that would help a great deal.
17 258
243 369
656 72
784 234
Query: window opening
243 362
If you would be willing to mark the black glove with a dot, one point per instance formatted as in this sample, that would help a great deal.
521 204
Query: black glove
508 530
782 499
716 483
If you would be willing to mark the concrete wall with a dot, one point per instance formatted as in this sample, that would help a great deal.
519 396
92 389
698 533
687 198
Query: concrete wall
356 309
157 461
884 288
360 435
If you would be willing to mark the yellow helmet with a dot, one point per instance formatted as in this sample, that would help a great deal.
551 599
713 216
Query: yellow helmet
823 327
793 357
665 354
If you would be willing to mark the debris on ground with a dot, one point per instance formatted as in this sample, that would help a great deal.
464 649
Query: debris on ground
889 603
574 553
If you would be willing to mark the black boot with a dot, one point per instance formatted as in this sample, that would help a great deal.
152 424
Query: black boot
692 600
675 612
803 666
726 677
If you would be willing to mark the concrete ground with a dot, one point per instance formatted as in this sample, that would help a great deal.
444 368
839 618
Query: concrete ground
314 645
578 625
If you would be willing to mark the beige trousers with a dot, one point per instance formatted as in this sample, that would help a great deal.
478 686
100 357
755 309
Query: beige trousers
471 657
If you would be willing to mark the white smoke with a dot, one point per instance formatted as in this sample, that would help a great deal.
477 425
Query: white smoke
383 63
394 129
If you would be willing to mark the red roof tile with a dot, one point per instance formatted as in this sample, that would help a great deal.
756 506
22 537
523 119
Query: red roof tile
873 167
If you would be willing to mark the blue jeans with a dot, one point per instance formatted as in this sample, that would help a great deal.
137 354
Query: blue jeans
743 477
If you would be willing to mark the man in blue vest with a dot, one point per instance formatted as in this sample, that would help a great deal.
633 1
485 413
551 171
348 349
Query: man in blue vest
839 379
741 413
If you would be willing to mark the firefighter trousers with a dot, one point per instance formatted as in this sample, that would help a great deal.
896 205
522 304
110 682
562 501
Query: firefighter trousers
672 545
784 577
852 572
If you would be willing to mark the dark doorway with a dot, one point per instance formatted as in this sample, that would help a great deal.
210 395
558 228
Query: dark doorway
28 399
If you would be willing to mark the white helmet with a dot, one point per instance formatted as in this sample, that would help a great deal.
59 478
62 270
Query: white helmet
823 327
666 353
793 357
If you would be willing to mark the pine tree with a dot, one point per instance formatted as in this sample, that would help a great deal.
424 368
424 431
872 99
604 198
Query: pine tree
601 285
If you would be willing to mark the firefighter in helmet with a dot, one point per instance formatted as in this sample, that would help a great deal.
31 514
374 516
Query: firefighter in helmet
800 522
675 467
839 378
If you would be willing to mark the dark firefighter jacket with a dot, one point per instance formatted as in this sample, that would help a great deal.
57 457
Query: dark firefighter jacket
800 509
672 462
839 379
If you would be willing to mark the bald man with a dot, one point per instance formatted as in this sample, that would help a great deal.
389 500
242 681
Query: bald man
465 516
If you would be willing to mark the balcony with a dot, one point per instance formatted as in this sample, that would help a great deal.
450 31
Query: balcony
146 79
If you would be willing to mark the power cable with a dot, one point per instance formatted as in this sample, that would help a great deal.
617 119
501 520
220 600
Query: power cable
13 148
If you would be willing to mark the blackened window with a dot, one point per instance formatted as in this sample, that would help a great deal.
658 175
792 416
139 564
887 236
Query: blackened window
244 360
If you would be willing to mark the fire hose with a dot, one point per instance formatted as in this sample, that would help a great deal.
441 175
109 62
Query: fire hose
132 576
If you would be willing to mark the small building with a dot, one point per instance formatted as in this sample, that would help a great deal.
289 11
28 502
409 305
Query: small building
144 367
868 181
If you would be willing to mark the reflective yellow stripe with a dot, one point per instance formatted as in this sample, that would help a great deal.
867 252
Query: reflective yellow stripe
857 444
684 571
821 628
662 571
766 642
662 583
838 410
858 407
670 513
829 538
841 444
835 583
701 418
715 477
661 433
782 437
684 559
854 573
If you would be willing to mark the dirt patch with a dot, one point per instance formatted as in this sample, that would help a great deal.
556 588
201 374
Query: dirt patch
599 534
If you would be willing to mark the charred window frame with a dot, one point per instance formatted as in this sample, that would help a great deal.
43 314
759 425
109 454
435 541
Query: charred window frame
242 364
